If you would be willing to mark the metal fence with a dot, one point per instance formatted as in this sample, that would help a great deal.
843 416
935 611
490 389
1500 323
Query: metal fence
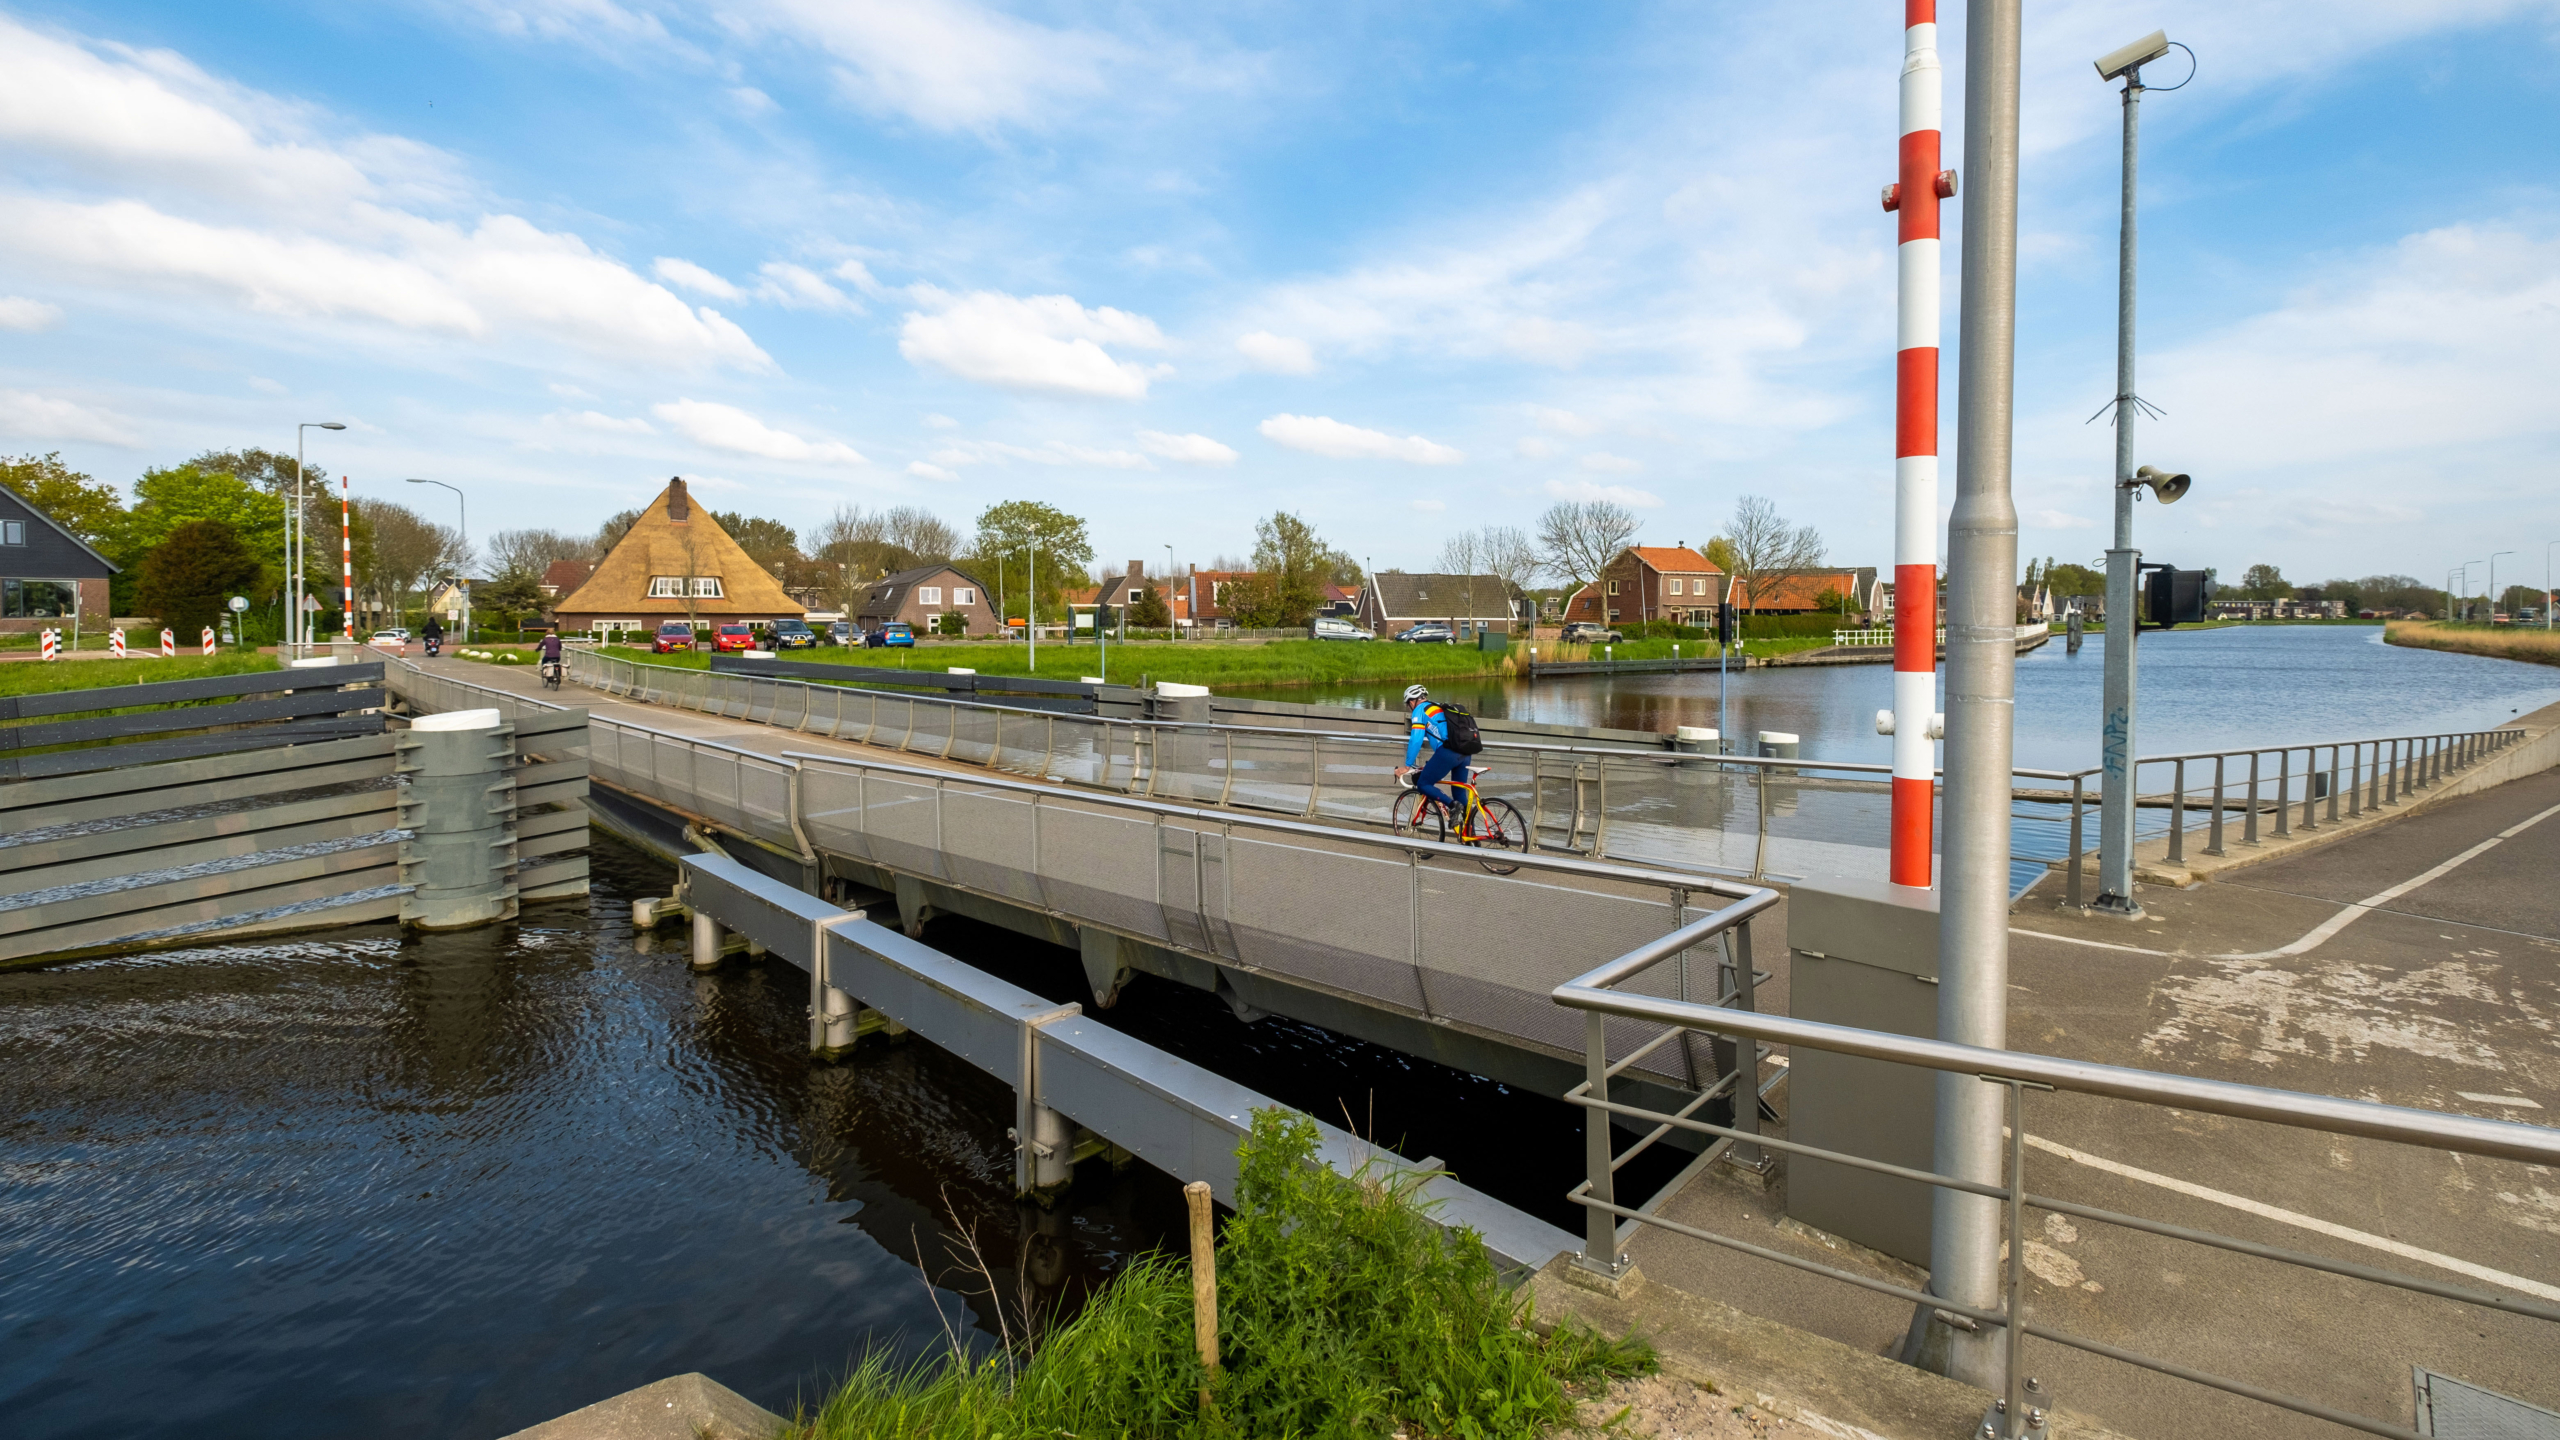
1407 925
1609 998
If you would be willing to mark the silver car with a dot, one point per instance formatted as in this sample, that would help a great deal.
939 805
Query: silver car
1334 627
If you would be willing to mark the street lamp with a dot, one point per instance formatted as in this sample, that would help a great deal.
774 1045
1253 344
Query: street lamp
293 627
2493 583
463 508
2115 806
2466 588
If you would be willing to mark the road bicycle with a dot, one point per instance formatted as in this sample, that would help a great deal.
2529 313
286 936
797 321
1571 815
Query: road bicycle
551 674
1482 823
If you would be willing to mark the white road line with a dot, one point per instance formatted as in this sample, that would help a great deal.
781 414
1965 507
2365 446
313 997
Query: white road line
2321 933
2512 1102
2500 1278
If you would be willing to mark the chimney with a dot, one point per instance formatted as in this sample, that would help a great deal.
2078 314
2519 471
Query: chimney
679 510
1136 570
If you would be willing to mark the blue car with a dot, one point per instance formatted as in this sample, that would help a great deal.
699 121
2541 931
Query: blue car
897 633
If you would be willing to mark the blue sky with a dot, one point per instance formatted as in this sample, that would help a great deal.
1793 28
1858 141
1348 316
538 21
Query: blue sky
1404 268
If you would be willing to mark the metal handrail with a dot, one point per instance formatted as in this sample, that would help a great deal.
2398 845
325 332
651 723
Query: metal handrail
1611 1224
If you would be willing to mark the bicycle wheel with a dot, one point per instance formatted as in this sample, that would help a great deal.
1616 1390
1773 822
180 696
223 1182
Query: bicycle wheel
1415 817
1499 827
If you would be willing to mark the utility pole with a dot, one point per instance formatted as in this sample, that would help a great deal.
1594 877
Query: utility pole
1913 198
1982 660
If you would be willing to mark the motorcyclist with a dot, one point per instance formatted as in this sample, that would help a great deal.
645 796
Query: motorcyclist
433 634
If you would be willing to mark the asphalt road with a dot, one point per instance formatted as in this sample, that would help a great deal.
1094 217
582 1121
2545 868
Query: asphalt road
2445 996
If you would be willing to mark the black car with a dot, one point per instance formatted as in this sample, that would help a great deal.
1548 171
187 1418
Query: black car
794 635
1429 632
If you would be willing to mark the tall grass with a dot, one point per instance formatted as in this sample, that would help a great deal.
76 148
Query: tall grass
2539 646
1343 1312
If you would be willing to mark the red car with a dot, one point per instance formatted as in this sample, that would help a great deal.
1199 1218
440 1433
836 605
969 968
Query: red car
673 635
734 637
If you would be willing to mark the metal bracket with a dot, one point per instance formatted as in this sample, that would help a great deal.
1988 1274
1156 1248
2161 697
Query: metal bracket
1996 1424
1026 1091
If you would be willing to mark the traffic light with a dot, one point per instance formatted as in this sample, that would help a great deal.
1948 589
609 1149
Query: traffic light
1726 630
2174 597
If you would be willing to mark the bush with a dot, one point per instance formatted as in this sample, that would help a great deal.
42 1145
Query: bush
189 578
1343 1311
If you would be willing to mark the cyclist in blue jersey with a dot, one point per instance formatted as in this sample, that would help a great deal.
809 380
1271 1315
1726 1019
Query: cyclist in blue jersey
1425 721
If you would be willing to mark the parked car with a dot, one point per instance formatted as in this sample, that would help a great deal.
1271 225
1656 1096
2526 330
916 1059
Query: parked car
1429 632
736 636
1334 627
673 635
394 636
896 633
840 633
1584 632
794 635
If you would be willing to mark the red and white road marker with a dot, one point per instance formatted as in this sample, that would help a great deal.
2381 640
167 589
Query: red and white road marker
168 644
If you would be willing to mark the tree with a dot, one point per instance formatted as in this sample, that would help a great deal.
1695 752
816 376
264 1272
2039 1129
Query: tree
1494 550
532 552
2264 582
165 499
1291 567
1765 546
1002 554
765 541
188 579
1578 538
408 550
2519 597
923 534
1720 554
1149 611
2072 581
88 508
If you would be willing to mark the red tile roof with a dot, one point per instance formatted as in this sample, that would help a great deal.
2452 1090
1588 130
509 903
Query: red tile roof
1670 557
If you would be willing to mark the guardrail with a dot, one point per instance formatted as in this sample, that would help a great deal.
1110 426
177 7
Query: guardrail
1603 999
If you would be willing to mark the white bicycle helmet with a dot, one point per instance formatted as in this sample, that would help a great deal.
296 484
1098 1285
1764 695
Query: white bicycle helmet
1413 693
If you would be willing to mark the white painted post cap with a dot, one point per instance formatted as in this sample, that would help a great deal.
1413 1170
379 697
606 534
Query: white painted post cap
315 662
1174 690
458 720
758 654
1776 737
1697 732
1095 680
961 670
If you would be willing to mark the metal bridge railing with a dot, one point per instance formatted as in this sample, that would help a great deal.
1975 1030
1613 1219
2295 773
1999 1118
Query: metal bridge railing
1604 999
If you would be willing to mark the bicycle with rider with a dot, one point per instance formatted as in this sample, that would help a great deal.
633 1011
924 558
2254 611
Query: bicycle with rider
1426 722
551 657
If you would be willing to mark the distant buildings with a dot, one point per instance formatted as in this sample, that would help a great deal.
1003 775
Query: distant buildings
674 563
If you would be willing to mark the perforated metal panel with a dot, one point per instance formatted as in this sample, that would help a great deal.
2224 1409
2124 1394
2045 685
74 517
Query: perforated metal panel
2460 1410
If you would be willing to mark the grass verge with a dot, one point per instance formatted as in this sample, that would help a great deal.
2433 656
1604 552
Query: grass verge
2502 642
38 677
1343 1311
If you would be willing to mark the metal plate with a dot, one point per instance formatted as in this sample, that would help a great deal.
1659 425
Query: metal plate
2460 1410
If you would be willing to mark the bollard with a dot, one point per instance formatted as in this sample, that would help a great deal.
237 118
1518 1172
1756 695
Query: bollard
50 644
115 643
458 805
208 640
168 644
707 942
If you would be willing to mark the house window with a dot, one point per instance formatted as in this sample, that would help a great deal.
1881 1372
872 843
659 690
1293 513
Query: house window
706 587
13 532
963 595
34 599
1613 587
928 594
666 587
1675 587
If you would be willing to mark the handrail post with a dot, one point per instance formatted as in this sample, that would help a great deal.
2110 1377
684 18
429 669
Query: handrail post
2355 780
1600 1228
2333 784
2391 781
2178 813
2071 891
1760 803
2213 839
2249 822
1746 1064
2284 792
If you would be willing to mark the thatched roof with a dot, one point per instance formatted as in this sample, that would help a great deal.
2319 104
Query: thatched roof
675 536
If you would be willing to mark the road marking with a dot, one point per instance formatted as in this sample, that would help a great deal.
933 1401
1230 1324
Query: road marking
2321 933
2512 1102
2384 1243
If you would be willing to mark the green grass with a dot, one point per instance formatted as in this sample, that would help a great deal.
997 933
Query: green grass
38 677
1343 1311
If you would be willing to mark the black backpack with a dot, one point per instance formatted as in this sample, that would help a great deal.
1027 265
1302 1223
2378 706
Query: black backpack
1464 737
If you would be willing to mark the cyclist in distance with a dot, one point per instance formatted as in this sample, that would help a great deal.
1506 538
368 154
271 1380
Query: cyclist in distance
1425 721
551 656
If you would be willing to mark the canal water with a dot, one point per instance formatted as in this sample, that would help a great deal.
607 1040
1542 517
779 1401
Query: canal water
2199 690
454 1185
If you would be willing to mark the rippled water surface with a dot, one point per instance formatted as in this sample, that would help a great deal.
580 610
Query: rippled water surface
454 1185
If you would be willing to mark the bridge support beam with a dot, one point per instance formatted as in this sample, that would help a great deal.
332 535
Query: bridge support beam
913 911
708 942
1104 968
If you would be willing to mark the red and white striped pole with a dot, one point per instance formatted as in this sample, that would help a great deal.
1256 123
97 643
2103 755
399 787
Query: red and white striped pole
1913 199
347 556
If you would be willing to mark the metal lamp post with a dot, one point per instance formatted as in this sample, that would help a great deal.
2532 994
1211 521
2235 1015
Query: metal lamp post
2116 791
2466 587
2493 583
294 629
462 508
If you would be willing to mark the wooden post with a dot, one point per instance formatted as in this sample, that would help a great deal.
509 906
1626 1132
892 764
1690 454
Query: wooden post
1204 1281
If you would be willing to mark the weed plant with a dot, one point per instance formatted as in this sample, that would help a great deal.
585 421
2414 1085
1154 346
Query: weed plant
1343 1311
2504 642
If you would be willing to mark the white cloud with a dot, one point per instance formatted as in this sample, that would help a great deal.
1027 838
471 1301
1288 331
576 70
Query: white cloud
1189 449
1563 422
1278 354
567 391
930 472
726 427
685 275
795 288
1534 447
1603 463
2059 520
45 417
948 64
600 422
1326 436
1430 507
1626 495
941 422
265 386
1054 452
20 313
1045 343
859 276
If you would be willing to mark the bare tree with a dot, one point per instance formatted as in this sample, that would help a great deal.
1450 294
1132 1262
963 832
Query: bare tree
611 532
850 525
409 549
1462 553
923 534
1494 550
1578 538
1764 545
531 552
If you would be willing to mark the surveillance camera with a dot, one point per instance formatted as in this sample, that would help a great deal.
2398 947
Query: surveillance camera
2167 484
2134 56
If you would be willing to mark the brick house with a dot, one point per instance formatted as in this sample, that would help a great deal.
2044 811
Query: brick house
1848 592
922 596
1651 582
47 574
1470 605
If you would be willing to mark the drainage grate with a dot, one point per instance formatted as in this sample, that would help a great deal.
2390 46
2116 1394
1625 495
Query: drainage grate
2457 1410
